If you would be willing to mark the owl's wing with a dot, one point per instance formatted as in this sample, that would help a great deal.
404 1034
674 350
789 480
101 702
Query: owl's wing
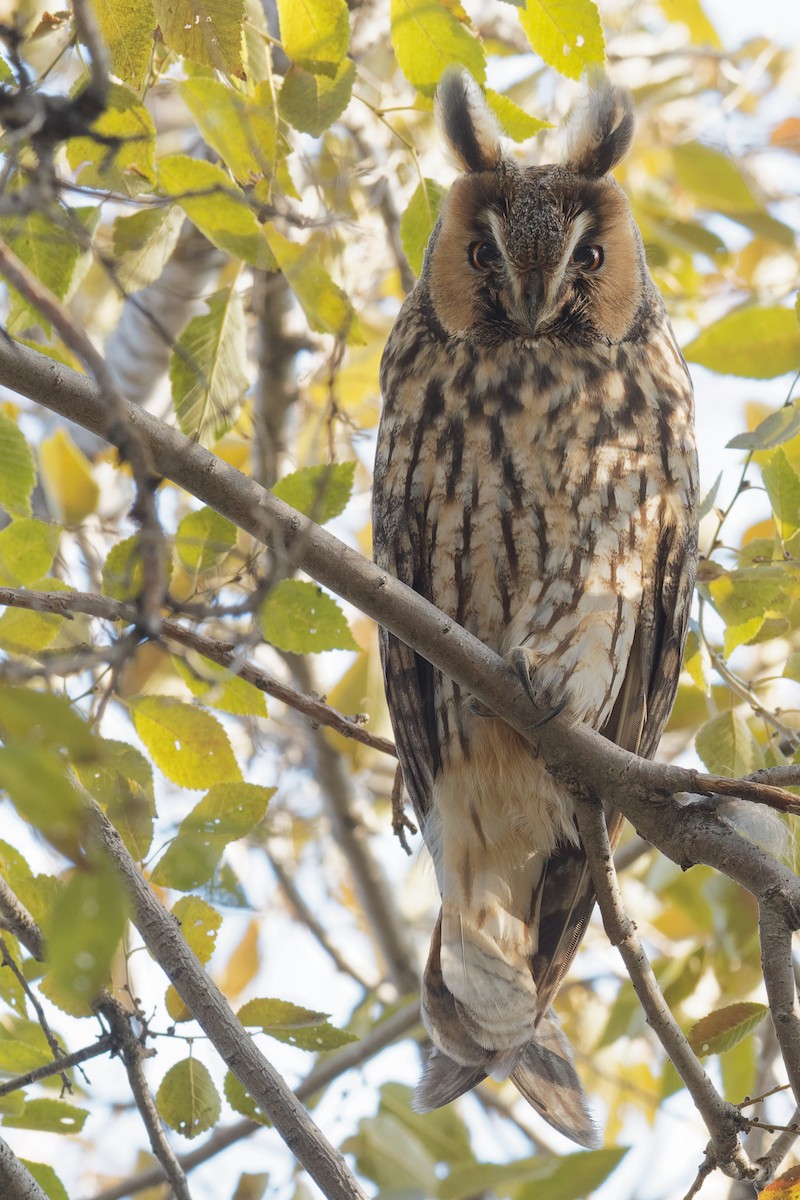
408 681
636 723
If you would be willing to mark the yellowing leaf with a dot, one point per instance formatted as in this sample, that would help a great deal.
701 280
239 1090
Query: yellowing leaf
713 178
727 746
27 550
241 1101
187 1099
186 743
216 206
122 570
785 1187
203 538
48 1116
227 812
417 222
130 166
311 103
206 369
23 631
428 36
243 131
86 928
319 492
220 687
567 34
301 618
315 33
200 923
696 661
244 962
294 1025
51 250
122 783
514 121
66 476
783 488
127 28
143 244
759 343
691 14
208 32
17 469
725 1028
326 306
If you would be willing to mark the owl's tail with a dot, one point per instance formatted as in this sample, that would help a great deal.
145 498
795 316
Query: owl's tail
541 1068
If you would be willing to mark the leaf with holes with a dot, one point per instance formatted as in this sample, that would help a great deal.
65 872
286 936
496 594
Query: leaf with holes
189 745
514 121
241 1101
187 1099
725 1028
567 34
429 37
208 381
127 30
301 618
200 923
48 1116
227 812
208 32
296 1026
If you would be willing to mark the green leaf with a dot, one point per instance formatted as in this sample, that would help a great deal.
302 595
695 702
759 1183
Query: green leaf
27 550
86 928
126 27
417 222
570 1177
122 784
227 812
391 1155
725 1028
241 1101
47 1179
301 618
707 503
514 121
220 687
315 33
122 570
783 488
45 721
144 243
208 32
37 784
17 469
51 250
747 593
128 166
311 103
48 1116
186 743
327 308
187 1099
216 206
713 178
758 343
296 1026
242 130
430 35
206 372
18 1057
739 1067
779 427
203 538
727 746
443 1134
567 34
319 492
23 631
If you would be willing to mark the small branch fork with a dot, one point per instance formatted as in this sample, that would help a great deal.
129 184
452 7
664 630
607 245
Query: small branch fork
651 795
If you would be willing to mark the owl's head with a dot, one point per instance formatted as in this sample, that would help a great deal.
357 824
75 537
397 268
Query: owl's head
537 252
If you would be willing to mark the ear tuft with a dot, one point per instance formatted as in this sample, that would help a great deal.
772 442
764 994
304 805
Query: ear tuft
467 123
600 130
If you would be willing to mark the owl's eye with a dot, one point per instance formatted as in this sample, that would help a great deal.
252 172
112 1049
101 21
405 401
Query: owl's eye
481 255
588 258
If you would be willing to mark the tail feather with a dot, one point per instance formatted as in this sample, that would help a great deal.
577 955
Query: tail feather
547 1078
444 1080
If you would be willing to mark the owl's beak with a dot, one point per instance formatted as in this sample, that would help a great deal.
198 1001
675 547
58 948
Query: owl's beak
531 295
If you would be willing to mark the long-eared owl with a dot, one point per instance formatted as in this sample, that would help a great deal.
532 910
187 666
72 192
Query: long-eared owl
536 480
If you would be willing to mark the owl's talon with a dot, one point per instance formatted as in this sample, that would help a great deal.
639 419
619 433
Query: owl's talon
476 709
554 712
522 665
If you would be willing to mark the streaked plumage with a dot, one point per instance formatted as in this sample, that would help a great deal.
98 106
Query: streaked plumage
536 480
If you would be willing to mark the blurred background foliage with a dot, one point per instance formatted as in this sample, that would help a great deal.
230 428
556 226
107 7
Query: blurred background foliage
238 229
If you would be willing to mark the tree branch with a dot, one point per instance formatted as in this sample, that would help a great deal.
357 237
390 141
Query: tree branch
103 1045
18 1183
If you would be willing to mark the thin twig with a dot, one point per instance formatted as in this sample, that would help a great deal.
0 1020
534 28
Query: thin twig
55 1046
102 1046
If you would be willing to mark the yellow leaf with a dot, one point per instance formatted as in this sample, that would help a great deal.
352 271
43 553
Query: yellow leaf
66 476
243 964
188 744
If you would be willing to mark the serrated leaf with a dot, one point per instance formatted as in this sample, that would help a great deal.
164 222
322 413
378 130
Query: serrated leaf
241 129
227 812
23 631
783 488
37 784
66 476
51 249
122 784
327 308
428 37
514 121
779 427
319 492
144 243
208 32
567 34
300 1027
241 1101
756 343
17 469
85 930
27 550
219 687
726 1027
311 103
727 747
189 745
216 206
785 1187
187 1099
315 33
301 618
206 372
203 538
746 593
47 1179
48 1116
417 222
128 166
126 27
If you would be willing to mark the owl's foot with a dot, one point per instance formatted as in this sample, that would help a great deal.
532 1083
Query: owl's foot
476 709
520 660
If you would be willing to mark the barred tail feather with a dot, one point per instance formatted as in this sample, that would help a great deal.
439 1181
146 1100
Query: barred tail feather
546 1077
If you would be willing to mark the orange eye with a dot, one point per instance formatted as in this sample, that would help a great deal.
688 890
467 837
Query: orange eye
481 255
589 258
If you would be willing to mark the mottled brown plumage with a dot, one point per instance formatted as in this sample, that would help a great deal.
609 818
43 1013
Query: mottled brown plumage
536 480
